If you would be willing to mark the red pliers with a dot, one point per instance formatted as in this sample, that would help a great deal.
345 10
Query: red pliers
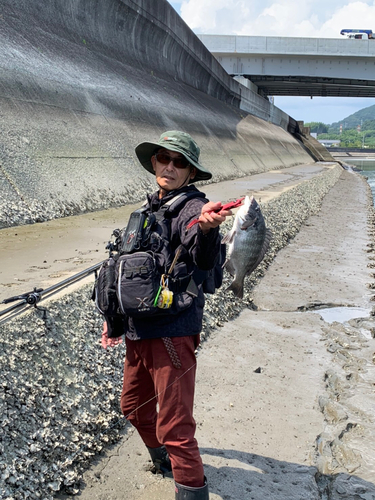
227 206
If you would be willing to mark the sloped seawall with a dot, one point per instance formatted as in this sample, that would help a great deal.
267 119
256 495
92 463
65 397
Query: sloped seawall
83 81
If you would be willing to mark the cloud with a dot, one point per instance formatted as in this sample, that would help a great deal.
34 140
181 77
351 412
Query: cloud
281 19
214 16
320 18
356 15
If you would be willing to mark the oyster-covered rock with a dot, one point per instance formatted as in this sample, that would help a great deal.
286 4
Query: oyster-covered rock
60 389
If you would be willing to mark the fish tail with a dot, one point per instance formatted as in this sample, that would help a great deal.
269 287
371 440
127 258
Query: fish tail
237 289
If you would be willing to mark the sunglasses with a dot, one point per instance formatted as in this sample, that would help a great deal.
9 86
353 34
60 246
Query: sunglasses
165 159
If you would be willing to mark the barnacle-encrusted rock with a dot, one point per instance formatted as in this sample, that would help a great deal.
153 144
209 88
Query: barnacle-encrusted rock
60 389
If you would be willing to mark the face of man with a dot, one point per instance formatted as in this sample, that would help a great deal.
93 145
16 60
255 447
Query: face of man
168 175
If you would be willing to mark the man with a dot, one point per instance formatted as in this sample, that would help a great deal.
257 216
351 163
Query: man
160 361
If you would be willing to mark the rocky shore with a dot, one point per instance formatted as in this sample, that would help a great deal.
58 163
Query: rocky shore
61 388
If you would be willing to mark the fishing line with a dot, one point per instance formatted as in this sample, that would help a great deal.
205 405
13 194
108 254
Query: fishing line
70 460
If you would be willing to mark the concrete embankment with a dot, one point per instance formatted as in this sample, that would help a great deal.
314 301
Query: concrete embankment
81 84
61 388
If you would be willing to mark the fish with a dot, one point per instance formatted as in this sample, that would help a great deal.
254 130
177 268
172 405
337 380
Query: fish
248 242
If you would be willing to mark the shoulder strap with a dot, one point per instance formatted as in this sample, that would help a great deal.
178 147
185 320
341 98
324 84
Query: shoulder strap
143 208
176 203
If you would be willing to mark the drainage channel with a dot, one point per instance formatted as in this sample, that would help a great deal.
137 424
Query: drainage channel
343 457
333 446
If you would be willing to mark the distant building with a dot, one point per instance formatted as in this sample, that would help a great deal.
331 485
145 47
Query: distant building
329 143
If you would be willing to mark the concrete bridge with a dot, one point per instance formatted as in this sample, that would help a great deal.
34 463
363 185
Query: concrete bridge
298 66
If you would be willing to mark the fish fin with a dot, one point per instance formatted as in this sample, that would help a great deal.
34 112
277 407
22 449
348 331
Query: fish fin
263 251
249 223
246 225
228 238
268 238
237 289
229 267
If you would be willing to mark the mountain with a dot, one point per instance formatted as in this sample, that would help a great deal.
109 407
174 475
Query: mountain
356 118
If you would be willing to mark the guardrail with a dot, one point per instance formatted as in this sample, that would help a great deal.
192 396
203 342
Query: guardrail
350 150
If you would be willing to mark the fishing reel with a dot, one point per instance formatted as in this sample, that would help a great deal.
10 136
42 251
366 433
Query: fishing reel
34 297
114 246
31 298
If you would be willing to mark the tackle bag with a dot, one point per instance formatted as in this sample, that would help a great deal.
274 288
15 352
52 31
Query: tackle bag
105 290
105 297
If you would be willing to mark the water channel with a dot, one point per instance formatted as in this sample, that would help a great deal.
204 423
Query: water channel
366 167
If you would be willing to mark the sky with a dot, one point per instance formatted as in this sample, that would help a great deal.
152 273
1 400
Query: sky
306 18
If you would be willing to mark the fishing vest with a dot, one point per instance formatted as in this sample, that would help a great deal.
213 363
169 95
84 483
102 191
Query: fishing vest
144 274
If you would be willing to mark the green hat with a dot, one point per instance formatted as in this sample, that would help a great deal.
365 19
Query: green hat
177 141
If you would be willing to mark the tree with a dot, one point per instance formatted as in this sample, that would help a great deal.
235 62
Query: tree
317 127
368 125
348 138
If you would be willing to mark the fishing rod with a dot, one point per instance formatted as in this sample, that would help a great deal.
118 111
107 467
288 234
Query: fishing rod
33 297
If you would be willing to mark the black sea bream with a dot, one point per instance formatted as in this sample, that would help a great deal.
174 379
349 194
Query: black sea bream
248 242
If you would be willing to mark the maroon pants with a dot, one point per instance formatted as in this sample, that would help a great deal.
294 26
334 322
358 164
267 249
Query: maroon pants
150 379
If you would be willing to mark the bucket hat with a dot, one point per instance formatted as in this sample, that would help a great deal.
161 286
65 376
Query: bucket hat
177 141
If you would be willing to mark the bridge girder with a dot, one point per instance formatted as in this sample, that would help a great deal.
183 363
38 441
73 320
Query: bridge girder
298 66
269 85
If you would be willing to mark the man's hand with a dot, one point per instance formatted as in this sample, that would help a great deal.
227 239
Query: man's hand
211 216
207 219
109 342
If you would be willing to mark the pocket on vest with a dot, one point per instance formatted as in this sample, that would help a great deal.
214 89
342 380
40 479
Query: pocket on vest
138 282
105 289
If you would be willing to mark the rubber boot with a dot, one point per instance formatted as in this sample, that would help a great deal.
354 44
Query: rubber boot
161 461
190 493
